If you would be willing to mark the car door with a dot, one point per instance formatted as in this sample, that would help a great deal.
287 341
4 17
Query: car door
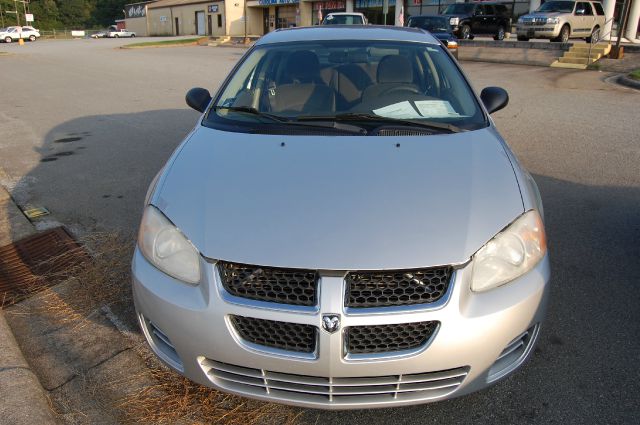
589 18
491 23
579 19
478 20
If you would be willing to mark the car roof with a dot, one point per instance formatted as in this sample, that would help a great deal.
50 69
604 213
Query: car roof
429 16
345 13
348 32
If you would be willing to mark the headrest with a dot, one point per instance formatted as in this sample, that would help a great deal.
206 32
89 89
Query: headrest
395 69
303 66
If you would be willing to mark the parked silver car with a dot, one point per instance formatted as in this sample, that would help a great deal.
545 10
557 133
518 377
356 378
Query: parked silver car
560 20
343 228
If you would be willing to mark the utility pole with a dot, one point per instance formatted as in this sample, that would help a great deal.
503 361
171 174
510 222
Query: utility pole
15 4
1 17
246 39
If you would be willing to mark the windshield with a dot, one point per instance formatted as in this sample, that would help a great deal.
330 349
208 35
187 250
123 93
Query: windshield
557 6
343 20
458 9
343 80
430 23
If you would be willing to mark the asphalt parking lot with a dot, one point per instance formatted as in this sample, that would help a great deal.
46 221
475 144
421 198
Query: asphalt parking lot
84 127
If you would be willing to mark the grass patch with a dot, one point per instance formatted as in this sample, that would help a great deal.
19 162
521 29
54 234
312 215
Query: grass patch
164 43
635 75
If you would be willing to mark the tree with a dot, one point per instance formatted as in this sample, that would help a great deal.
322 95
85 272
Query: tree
60 14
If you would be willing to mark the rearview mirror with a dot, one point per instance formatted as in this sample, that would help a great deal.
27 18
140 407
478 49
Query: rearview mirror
494 98
198 98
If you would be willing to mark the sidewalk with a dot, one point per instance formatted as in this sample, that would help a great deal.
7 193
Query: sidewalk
23 398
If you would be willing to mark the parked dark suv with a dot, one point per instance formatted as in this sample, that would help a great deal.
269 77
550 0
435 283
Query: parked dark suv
469 19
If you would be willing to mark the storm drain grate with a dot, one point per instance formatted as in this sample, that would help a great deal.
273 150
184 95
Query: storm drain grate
36 262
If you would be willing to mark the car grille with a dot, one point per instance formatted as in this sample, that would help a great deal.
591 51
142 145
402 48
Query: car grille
335 391
534 21
278 285
388 338
396 287
282 335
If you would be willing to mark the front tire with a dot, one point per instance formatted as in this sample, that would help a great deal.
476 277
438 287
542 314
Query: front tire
595 34
116 36
8 40
465 32
500 34
133 36
564 35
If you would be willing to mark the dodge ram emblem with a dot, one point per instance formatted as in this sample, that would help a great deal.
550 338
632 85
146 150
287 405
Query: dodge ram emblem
331 322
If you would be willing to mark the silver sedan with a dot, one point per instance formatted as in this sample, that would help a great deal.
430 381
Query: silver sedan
343 228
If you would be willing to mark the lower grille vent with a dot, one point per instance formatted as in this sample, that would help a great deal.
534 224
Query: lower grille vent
335 391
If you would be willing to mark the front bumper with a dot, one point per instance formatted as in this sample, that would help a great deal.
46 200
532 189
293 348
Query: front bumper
538 30
189 328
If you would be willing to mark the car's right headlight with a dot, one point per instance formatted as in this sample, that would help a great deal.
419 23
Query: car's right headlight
167 248
510 254
553 20
521 19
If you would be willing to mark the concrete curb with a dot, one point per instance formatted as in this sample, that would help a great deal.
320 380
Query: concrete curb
629 82
23 398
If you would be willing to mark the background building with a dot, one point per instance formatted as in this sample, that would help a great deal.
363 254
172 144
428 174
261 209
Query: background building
226 17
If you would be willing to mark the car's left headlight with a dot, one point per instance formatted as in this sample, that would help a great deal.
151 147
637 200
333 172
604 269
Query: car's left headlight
167 248
553 20
510 254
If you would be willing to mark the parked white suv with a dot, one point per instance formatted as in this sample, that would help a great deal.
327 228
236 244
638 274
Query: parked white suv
345 18
560 20
15 33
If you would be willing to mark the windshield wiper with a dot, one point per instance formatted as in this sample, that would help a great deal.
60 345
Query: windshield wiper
251 110
352 116
288 121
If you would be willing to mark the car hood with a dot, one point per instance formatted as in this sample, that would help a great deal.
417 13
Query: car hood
443 35
458 15
544 14
340 203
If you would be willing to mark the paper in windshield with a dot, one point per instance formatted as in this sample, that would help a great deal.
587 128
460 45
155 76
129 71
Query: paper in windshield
422 109
436 109
401 110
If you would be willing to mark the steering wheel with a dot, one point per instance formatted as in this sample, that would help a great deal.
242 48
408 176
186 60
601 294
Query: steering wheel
407 89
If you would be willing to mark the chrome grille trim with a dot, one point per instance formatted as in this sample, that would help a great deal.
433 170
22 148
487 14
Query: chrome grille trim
323 390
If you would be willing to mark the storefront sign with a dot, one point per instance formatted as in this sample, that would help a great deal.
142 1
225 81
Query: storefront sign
213 8
272 2
135 11
28 17
363 4
329 5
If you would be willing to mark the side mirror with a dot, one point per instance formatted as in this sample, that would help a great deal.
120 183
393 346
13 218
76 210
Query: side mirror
494 98
198 99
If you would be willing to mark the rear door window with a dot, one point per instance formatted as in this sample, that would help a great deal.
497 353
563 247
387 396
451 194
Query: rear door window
599 9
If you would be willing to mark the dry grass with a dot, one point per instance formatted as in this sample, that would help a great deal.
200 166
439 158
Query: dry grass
175 399
169 398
